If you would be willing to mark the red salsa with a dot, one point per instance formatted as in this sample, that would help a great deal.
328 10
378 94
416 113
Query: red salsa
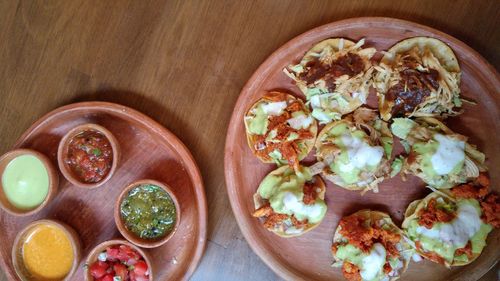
119 262
90 156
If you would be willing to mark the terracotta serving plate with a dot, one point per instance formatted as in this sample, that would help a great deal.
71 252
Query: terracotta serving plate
308 257
148 150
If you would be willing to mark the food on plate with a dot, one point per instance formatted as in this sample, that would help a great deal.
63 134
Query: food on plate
437 155
90 156
148 211
119 262
335 76
25 182
418 77
280 129
450 227
290 202
367 245
47 252
355 152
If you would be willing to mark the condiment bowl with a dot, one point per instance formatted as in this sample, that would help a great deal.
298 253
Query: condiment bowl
130 236
62 155
17 254
93 255
53 181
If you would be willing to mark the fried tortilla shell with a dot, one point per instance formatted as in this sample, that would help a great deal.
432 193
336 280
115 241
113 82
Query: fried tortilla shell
418 77
405 250
298 148
284 226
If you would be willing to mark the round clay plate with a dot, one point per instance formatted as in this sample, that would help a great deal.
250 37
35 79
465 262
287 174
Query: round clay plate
308 257
148 151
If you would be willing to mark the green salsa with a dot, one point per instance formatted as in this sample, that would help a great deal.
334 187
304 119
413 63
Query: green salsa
148 212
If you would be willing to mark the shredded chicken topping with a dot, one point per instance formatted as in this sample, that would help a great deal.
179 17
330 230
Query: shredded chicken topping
417 85
335 82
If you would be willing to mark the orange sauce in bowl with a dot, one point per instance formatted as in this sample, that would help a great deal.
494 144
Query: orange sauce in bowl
47 253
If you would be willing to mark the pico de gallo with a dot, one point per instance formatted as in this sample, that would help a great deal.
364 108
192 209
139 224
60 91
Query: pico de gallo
90 156
119 263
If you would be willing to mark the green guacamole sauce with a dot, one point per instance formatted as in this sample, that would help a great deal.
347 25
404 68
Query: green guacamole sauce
148 212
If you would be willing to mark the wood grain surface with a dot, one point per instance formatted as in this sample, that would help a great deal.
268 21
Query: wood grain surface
183 64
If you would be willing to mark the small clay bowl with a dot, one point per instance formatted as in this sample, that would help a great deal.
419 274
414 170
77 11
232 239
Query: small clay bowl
17 256
62 155
53 181
92 257
130 236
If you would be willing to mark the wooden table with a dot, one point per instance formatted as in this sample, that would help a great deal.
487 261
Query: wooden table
184 64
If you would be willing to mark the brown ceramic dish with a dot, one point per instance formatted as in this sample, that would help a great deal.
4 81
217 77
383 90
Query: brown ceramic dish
92 257
308 257
17 258
53 181
148 150
62 154
130 236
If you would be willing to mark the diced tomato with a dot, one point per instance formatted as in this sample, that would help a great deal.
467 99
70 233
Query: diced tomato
112 253
121 270
107 277
98 269
128 255
140 268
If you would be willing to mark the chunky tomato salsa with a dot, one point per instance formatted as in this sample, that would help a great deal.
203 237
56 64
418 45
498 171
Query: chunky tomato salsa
90 156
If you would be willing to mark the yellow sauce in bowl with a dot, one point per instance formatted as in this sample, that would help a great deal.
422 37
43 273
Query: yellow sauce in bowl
47 253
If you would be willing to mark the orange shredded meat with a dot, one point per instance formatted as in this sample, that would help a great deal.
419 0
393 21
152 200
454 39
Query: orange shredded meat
288 149
274 219
491 210
431 214
334 248
430 255
490 202
363 236
434 257
297 223
309 193
351 272
387 268
465 250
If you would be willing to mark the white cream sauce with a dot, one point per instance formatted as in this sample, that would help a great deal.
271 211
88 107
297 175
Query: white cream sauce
373 263
449 153
360 153
457 232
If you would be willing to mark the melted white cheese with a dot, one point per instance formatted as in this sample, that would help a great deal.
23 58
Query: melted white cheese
373 263
293 204
457 232
274 108
300 122
449 153
360 153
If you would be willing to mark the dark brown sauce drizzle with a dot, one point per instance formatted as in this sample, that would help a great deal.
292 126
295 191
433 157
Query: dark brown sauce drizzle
349 64
411 90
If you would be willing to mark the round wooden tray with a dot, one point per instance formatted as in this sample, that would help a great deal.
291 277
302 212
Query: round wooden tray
148 150
308 257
